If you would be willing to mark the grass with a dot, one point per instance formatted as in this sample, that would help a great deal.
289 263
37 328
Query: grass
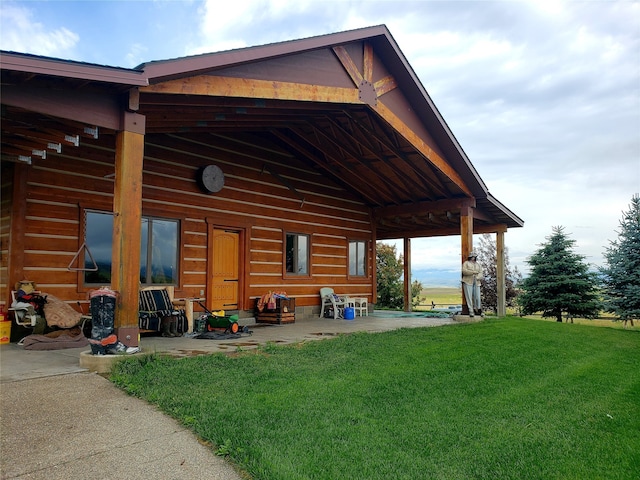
441 296
500 399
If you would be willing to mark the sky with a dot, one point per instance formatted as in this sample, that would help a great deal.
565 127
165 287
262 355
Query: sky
542 95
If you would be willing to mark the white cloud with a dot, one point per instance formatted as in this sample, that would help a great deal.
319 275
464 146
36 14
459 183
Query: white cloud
21 33
242 23
137 54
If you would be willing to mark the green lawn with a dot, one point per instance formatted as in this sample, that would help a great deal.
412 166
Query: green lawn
503 399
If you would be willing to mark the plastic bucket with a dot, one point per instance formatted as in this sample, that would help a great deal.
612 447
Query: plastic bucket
5 332
349 313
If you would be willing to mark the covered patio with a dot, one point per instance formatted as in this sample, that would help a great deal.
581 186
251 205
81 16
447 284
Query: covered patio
335 132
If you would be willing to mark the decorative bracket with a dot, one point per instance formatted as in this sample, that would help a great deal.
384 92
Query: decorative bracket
367 93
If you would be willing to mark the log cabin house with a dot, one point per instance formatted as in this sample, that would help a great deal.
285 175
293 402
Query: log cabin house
228 175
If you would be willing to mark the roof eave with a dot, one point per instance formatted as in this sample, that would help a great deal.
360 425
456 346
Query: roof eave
69 69
517 221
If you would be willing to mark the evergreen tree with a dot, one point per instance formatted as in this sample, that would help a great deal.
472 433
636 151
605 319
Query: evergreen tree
389 270
560 282
621 274
488 259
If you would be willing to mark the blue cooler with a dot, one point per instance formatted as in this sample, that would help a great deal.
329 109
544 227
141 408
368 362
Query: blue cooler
349 313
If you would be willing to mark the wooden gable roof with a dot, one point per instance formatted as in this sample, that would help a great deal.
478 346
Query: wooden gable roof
347 104
350 105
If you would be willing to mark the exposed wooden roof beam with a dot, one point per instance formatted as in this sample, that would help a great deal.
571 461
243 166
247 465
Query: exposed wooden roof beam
440 232
251 88
384 141
364 192
354 175
456 204
410 136
401 183
348 64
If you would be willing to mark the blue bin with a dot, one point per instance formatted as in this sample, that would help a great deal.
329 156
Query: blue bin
349 313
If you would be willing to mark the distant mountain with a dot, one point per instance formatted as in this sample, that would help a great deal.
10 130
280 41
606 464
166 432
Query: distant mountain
434 277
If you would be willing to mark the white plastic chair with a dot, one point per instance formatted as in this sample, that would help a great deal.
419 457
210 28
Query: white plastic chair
330 299
359 305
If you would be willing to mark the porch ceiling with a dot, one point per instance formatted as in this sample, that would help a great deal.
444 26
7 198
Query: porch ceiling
349 143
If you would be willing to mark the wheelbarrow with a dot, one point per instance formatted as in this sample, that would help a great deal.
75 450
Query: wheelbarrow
220 322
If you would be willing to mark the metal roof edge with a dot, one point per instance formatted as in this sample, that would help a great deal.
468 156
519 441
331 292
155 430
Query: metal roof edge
495 202
24 62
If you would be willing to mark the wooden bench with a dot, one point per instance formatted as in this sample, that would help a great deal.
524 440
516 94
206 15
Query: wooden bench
156 304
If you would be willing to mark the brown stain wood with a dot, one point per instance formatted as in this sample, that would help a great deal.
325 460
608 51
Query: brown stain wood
330 225
251 88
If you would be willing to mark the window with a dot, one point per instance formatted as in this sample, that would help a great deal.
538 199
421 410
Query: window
99 230
158 249
357 258
297 254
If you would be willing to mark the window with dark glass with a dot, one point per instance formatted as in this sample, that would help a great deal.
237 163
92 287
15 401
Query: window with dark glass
357 258
297 254
158 249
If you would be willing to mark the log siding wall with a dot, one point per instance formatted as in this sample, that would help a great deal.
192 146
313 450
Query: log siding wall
253 199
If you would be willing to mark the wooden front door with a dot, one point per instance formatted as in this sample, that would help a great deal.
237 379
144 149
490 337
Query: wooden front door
224 279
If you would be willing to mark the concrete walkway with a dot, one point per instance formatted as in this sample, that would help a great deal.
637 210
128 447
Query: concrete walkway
59 421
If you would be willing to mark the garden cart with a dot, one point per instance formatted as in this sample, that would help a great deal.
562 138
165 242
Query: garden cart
218 321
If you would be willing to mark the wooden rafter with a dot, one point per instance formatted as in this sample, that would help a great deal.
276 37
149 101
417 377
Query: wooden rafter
430 182
401 183
297 146
383 150
367 134
22 142
419 144
354 157
359 180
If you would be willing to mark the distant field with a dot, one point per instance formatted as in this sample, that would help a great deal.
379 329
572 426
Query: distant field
605 320
445 296
441 296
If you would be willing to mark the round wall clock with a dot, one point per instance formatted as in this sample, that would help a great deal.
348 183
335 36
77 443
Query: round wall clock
212 178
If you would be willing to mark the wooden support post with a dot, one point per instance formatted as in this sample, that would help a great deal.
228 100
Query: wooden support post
18 202
372 260
466 240
127 222
500 274
407 274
